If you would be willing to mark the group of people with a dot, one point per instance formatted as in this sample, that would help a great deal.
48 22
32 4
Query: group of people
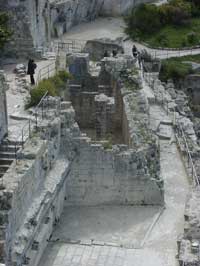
106 53
32 65
135 53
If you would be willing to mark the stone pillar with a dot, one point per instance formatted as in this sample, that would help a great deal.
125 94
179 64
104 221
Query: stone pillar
105 107
78 65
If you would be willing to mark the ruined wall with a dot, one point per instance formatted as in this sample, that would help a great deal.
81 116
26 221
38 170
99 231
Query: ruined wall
3 107
120 7
116 176
33 192
124 174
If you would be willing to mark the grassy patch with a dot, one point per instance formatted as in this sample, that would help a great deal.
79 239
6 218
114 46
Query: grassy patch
53 85
175 69
173 25
174 37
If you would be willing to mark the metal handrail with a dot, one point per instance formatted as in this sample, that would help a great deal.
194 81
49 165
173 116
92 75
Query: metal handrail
180 128
167 53
190 160
25 132
46 72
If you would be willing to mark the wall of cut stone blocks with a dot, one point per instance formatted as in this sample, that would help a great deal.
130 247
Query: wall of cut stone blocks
118 176
3 107
32 199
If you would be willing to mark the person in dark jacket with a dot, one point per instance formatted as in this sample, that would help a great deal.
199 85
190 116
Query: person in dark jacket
106 54
134 51
31 70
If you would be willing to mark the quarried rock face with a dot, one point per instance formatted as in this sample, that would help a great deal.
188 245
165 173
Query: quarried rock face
34 21
120 7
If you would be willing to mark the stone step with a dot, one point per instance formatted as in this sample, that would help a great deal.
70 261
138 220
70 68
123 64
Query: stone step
12 142
3 169
5 161
9 148
7 155
2 174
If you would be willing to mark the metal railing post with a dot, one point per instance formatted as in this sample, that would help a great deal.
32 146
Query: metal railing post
36 119
22 138
29 128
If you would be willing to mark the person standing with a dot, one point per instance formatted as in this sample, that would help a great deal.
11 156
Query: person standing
31 70
134 51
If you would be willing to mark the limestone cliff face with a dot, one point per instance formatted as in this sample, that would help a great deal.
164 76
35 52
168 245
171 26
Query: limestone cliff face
34 22
119 7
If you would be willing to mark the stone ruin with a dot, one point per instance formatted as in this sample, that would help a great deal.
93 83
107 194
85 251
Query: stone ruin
59 165
35 22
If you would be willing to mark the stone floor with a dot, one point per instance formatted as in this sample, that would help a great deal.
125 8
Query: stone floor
159 241
125 226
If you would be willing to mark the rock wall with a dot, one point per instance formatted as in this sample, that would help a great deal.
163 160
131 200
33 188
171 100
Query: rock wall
122 174
116 176
3 107
34 21
33 192
120 7
60 166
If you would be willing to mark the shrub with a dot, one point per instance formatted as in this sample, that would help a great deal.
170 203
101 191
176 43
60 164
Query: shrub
64 75
38 92
53 85
162 39
192 38
147 19
5 32
173 69
176 12
144 19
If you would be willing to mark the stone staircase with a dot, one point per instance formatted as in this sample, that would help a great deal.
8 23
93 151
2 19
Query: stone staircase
8 151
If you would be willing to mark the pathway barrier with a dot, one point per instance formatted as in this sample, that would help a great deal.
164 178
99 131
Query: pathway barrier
45 109
46 72
166 54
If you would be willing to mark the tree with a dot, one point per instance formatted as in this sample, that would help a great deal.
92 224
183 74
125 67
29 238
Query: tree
5 32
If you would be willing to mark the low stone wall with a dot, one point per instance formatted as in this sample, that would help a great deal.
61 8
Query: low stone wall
3 107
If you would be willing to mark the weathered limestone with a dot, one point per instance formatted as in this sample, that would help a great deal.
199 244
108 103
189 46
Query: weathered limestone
105 108
120 7
121 174
3 107
60 166
35 21
189 244
96 48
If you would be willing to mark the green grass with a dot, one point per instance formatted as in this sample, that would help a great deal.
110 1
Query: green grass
191 58
177 68
174 37
53 85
